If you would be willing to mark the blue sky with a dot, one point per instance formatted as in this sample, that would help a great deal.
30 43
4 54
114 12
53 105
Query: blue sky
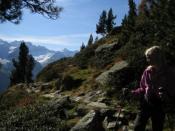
74 26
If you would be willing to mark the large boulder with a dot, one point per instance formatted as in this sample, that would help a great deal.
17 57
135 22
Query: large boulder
64 102
106 47
90 122
59 106
104 78
104 54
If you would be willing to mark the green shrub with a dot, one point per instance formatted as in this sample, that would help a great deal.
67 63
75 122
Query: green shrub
16 97
69 82
121 79
54 70
38 117
84 58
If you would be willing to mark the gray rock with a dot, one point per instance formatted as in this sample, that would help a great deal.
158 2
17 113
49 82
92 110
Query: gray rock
108 47
60 106
104 54
98 105
119 115
61 103
105 100
44 86
103 78
105 123
124 128
58 83
89 96
91 122
77 98
112 125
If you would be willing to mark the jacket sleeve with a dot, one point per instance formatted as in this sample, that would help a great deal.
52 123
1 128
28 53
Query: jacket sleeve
145 83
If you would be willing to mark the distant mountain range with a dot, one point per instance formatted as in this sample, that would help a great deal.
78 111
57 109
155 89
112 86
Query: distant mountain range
42 56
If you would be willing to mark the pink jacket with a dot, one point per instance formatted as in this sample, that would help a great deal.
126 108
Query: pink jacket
151 81
145 83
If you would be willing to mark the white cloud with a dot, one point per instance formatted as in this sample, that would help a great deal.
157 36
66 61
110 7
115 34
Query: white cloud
66 3
47 39
62 41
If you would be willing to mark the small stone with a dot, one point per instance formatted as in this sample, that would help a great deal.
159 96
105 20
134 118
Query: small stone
98 105
112 125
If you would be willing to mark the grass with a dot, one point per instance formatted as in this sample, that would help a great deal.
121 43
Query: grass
72 122
82 74
16 96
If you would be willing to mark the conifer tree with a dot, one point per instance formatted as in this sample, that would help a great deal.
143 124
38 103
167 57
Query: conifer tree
90 41
23 60
22 67
101 26
96 39
128 23
29 68
110 21
124 36
124 21
12 10
143 8
82 46
132 13
14 78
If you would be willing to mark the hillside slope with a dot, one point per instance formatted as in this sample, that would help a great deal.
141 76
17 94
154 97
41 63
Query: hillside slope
74 93
64 81
85 92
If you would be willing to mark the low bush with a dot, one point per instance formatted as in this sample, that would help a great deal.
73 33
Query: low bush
69 82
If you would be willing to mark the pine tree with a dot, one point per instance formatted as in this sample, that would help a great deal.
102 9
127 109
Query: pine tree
14 78
82 47
23 67
128 24
90 41
143 8
23 60
162 19
11 10
124 21
101 26
96 39
125 33
132 13
110 21
29 68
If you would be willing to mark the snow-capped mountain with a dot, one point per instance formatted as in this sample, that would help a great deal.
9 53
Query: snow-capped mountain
10 50
42 56
4 61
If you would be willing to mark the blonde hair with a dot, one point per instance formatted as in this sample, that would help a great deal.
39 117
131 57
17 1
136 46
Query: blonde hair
156 52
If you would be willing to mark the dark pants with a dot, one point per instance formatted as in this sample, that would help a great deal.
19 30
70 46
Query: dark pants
155 113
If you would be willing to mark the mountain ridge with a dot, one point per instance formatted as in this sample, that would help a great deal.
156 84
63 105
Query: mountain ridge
42 56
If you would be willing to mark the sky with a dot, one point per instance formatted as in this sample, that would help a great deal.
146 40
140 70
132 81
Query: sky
76 22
